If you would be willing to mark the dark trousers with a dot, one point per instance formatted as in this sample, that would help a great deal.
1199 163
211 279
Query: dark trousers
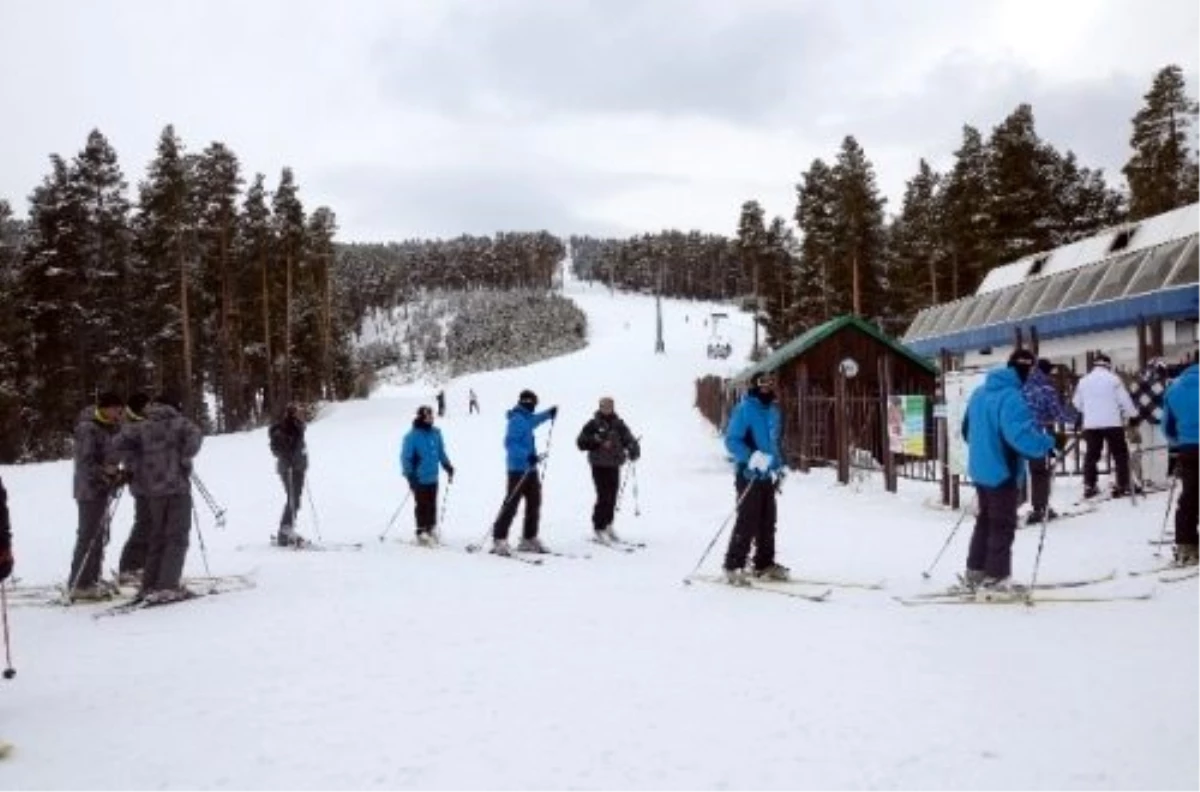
1096 439
521 486
755 523
473 407
425 510
90 539
170 524
1186 468
1041 474
133 554
607 481
293 488
995 528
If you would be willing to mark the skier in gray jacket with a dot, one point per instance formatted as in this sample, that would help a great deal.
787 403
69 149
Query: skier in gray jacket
161 449
97 479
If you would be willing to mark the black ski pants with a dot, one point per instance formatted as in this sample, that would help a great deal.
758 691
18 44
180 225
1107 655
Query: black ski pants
425 508
1096 439
133 554
1186 516
755 523
170 524
995 528
90 540
607 481
293 487
1041 474
521 486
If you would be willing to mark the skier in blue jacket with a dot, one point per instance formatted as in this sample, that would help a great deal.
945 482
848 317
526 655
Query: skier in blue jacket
752 437
421 453
1181 403
1001 434
1048 411
522 461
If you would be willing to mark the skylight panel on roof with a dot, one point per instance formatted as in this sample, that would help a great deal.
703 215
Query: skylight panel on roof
1187 270
1028 298
1056 289
1153 273
1081 290
1117 275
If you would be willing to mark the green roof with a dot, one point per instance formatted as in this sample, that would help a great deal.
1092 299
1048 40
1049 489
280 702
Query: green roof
814 335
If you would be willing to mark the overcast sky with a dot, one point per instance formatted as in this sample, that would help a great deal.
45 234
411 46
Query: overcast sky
436 118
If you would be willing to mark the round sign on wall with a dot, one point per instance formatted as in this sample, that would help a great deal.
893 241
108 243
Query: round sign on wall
848 367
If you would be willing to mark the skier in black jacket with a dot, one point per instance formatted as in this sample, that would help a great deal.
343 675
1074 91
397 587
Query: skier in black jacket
608 443
291 462
6 557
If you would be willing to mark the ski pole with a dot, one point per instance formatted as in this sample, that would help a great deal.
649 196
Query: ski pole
217 510
546 453
621 491
203 549
316 517
949 539
9 671
395 515
1162 535
477 546
1037 559
445 501
687 581
103 531
637 509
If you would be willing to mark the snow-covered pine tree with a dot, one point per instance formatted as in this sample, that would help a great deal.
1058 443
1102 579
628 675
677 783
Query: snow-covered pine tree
1162 171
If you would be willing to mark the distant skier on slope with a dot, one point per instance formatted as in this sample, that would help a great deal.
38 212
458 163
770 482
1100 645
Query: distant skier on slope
1048 410
752 437
291 463
608 443
422 451
1181 406
6 556
1001 433
522 460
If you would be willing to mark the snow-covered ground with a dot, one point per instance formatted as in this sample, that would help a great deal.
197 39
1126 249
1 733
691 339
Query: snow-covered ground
397 667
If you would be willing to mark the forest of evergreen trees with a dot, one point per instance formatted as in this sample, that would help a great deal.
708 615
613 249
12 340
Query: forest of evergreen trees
1005 196
193 287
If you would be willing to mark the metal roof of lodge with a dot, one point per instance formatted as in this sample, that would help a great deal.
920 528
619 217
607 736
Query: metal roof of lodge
1147 269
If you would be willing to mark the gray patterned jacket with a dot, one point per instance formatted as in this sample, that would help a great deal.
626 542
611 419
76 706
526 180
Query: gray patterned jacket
159 450
93 453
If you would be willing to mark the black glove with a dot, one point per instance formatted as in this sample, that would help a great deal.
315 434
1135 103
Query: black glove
1133 423
412 481
1060 441
533 459
6 563
553 412
634 454
779 482
450 472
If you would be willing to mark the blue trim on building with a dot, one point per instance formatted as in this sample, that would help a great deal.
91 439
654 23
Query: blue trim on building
1182 302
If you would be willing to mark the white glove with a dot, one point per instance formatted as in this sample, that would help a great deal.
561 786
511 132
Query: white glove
759 461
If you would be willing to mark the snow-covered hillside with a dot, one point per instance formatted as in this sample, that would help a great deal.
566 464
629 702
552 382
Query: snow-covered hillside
399 667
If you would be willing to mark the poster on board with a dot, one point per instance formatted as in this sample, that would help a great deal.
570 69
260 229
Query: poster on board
906 425
959 387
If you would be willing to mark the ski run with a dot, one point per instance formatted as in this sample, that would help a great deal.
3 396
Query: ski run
393 665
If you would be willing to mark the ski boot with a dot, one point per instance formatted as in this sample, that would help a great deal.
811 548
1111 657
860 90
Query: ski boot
1000 590
968 582
773 572
1186 555
97 592
167 596
531 544
602 537
132 578
500 547
289 538
426 538
736 577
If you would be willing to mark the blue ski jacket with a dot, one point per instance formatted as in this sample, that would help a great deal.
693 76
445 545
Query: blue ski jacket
519 445
1180 408
999 429
754 426
422 452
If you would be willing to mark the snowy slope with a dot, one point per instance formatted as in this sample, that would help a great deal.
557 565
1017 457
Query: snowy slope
397 667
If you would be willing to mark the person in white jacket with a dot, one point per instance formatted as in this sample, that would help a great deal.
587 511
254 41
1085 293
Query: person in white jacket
1105 409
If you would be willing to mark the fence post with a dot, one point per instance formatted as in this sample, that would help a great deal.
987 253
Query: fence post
802 414
841 426
885 393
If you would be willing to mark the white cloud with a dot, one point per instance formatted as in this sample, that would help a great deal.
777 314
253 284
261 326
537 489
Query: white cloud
413 118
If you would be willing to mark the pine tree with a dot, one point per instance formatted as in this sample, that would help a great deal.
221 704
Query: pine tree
166 247
754 256
255 242
916 275
778 283
967 220
13 333
215 193
1162 171
1021 175
859 231
816 219
288 224
1083 203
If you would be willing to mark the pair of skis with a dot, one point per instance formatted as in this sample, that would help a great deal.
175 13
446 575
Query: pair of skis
215 586
1041 592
